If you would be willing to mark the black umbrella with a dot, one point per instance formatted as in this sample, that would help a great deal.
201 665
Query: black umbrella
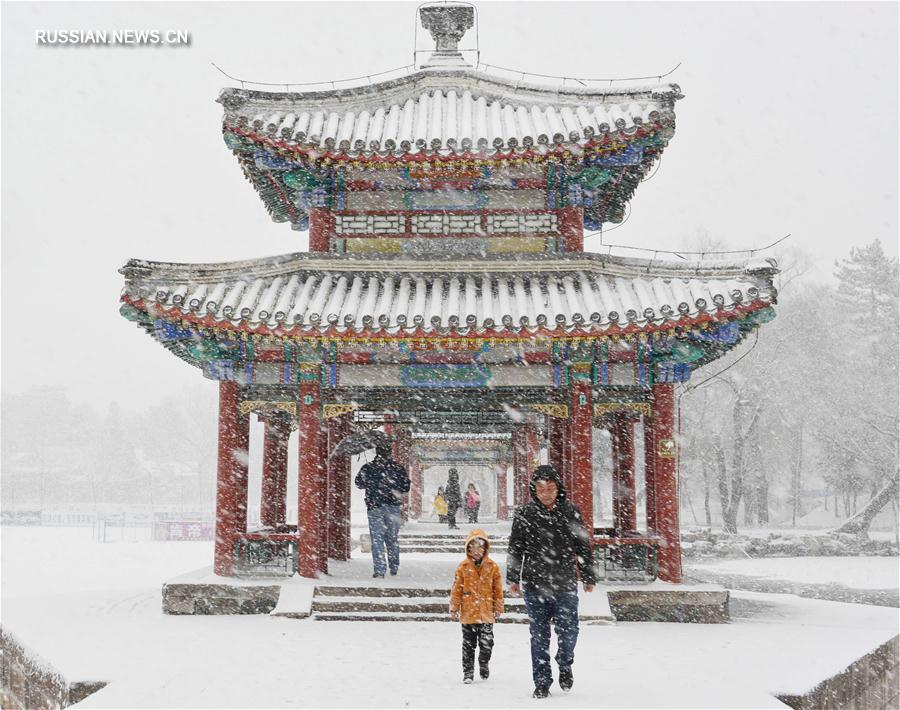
361 441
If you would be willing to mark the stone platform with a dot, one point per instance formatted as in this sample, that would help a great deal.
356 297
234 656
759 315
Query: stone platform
417 594
689 605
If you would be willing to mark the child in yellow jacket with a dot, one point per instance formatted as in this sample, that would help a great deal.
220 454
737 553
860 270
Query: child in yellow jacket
476 600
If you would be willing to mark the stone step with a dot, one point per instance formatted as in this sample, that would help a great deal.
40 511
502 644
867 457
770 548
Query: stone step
454 549
447 538
405 592
365 605
410 542
362 604
458 541
512 618
349 603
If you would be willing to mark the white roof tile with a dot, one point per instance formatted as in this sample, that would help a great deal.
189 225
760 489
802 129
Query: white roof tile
447 111
502 294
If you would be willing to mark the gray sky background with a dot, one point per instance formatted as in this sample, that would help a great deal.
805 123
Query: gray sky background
789 125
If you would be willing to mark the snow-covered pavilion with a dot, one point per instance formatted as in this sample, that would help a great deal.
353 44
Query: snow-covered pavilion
446 290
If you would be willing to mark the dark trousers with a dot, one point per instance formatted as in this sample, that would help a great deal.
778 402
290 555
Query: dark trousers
451 517
482 636
472 514
562 609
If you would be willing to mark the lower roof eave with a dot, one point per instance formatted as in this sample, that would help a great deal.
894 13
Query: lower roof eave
331 331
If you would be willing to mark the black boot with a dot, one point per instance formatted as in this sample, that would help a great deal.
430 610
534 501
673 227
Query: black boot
484 671
566 680
541 693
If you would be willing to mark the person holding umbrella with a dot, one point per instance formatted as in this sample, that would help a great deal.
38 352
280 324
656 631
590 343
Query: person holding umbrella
385 481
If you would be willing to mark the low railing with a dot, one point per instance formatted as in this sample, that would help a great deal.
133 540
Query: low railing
266 554
623 557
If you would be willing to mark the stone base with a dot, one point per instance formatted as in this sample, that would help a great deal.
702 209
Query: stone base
870 682
204 593
27 681
684 606
187 598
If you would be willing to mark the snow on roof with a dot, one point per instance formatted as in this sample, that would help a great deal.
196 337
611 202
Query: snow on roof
447 111
317 292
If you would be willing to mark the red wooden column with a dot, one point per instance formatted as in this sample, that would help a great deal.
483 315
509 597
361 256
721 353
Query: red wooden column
274 472
344 497
416 488
320 228
665 482
311 491
649 474
556 446
402 448
581 419
610 426
571 229
519 454
502 506
624 500
327 493
338 492
532 459
231 477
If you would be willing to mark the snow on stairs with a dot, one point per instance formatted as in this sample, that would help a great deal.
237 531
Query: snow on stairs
395 604
332 603
444 542
436 542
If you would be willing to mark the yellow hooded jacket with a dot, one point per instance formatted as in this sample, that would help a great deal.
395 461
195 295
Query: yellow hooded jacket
477 589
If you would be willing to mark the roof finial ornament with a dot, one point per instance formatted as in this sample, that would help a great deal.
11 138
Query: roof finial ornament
447 22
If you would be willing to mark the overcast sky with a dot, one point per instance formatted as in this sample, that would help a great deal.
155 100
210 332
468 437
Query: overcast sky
789 125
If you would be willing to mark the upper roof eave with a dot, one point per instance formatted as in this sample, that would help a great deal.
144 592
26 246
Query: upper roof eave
500 88
140 269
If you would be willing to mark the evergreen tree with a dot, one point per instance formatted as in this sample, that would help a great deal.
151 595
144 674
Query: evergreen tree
865 434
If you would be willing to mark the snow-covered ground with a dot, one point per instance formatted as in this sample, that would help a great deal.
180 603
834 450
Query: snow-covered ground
853 572
886 535
93 610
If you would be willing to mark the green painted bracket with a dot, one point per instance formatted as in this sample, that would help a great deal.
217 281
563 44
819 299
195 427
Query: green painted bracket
304 180
210 350
592 178
135 315
763 315
682 353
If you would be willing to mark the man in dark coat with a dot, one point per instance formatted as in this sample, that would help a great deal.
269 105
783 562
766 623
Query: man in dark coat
548 547
453 496
385 482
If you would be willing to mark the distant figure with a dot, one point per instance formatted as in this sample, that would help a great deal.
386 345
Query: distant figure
453 496
476 600
440 505
549 547
473 503
385 481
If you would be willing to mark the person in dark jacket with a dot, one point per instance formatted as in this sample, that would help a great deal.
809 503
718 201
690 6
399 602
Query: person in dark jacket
548 547
453 496
385 481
